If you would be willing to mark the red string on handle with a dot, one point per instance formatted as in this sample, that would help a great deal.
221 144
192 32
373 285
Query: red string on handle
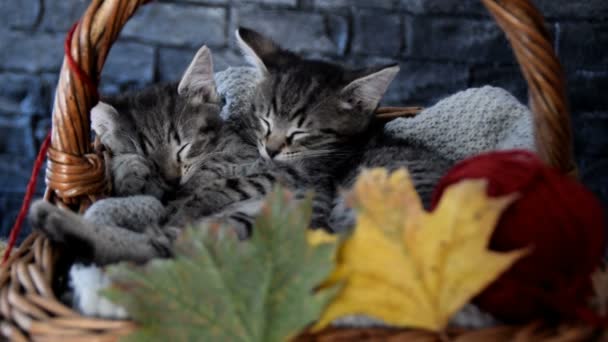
74 67
27 199
31 186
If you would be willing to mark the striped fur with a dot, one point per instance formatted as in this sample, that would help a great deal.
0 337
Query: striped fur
307 120
167 143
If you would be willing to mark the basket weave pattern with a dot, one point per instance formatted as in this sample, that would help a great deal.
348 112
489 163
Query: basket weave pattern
77 176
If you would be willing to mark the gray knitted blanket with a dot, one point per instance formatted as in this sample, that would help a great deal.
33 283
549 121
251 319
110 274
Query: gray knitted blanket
468 123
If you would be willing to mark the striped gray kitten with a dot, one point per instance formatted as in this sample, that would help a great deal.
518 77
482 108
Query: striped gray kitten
308 118
162 138
319 118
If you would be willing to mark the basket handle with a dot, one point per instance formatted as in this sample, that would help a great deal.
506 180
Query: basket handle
525 29
76 175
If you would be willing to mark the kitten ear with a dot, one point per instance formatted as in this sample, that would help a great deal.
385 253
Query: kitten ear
104 118
198 79
369 89
258 50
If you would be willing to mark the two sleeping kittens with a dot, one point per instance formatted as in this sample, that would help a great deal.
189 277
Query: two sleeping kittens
310 126
306 120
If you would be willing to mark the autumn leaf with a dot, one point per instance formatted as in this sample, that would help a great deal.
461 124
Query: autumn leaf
409 267
220 289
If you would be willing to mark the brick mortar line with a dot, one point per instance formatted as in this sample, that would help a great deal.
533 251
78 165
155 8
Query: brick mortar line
40 16
22 71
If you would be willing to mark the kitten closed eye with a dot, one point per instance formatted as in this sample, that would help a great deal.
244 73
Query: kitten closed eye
295 135
266 126
179 152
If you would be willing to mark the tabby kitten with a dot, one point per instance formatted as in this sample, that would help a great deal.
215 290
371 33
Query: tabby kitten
317 119
307 119
160 138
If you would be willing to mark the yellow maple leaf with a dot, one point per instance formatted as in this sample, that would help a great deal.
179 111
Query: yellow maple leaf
409 267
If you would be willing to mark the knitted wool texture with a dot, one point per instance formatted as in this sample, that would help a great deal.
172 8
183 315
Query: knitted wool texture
468 123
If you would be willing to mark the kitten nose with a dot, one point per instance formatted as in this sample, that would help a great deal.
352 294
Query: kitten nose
272 152
174 181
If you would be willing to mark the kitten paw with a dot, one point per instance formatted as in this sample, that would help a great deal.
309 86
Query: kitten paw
57 224
133 177
39 212
133 182
45 218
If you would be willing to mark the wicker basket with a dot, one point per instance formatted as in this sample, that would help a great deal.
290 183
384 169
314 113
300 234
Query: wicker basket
76 177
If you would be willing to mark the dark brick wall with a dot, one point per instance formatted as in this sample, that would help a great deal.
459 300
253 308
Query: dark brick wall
442 45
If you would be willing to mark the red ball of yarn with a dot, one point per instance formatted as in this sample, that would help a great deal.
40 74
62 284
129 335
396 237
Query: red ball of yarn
557 217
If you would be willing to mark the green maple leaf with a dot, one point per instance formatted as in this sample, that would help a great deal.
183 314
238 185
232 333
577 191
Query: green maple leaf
220 289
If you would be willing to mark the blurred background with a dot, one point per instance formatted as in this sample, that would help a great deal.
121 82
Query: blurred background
442 45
